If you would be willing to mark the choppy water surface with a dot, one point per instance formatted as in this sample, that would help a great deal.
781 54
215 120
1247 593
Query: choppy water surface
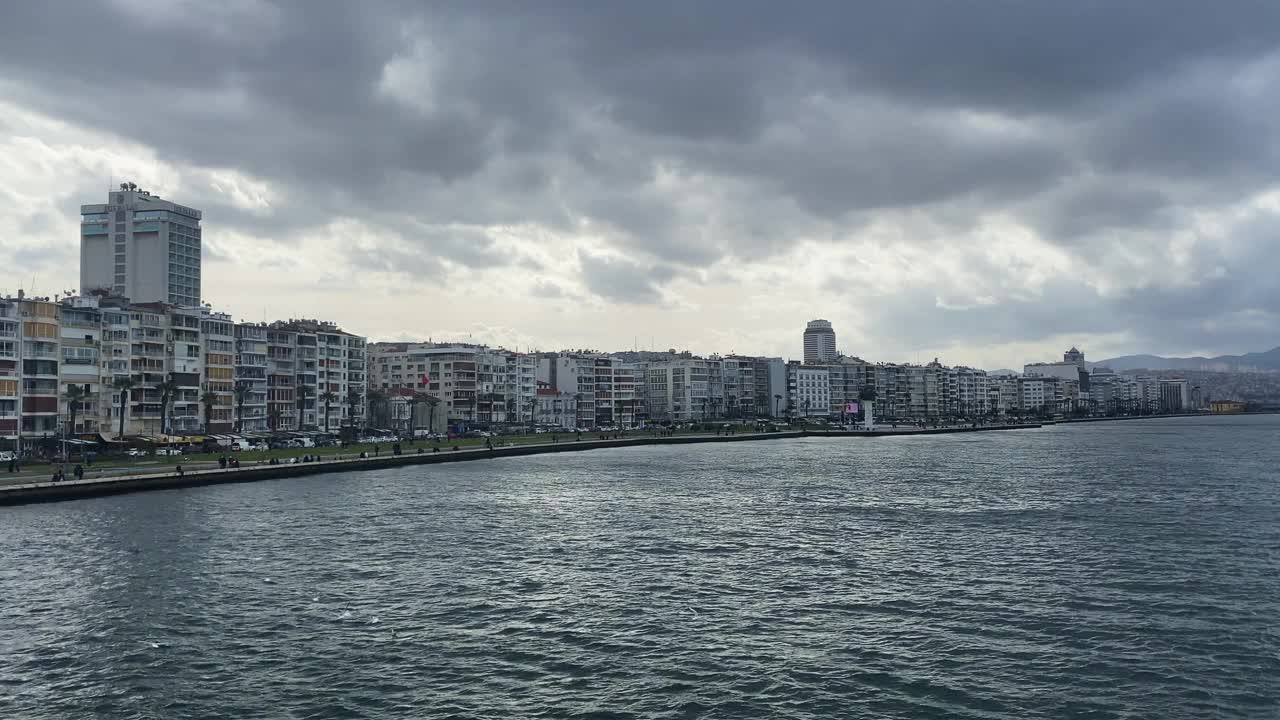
1115 570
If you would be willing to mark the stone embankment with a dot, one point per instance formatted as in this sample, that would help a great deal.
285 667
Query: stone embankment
72 489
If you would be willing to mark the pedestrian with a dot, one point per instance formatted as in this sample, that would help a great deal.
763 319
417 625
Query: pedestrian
12 462
488 443
375 451
78 472
179 469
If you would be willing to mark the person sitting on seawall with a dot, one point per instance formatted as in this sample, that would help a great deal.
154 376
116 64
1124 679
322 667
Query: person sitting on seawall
179 470
78 472
395 449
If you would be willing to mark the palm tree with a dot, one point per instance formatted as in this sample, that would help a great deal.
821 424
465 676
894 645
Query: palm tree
304 394
353 399
413 401
167 388
533 412
377 408
327 397
432 401
124 385
241 391
74 395
208 399
777 400
273 417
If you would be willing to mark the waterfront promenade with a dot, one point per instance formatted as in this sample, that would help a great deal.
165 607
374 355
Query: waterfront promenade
126 482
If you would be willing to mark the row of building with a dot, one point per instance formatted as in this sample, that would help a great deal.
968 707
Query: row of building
80 365
478 384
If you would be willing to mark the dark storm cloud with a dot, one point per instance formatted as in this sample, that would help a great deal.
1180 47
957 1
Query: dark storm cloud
689 133
623 280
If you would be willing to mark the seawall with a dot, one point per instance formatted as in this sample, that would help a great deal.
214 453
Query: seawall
73 489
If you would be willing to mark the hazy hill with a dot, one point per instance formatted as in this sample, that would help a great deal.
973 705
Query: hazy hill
1269 360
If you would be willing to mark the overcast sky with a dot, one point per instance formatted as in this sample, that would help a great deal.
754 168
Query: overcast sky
988 183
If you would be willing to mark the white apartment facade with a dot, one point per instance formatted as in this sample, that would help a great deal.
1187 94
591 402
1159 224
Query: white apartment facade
809 390
138 246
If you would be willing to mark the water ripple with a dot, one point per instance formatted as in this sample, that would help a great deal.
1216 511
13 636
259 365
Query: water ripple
1129 570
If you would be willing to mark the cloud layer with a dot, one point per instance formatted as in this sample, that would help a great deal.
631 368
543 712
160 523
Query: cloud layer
985 182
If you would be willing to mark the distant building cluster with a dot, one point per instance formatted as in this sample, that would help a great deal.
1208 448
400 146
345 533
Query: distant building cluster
138 353
474 383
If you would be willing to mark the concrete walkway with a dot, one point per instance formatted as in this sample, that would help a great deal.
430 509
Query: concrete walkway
31 488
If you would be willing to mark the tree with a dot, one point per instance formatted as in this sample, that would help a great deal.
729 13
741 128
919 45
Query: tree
303 394
777 400
124 385
167 388
432 401
241 392
273 417
74 395
377 409
490 398
327 398
353 400
533 412
208 399
413 402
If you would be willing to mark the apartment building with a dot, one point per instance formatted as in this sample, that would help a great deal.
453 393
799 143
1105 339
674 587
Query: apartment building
282 378
218 346
555 409
473 383
186 372
809 390
330 373
605 387
250 389
10 372
80 335
41 355
685 389
139 246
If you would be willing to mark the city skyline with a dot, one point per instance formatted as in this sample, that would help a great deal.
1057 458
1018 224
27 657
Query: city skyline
537 193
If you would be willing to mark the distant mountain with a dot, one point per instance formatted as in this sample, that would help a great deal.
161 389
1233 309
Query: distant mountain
1269 360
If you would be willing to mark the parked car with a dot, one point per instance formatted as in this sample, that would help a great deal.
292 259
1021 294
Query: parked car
168 451
135 452
6 455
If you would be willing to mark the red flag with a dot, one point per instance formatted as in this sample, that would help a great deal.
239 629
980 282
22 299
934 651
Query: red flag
426 379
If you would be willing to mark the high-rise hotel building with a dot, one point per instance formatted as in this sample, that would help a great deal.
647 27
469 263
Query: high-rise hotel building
141 247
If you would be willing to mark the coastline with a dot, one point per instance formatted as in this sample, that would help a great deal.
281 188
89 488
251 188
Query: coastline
46 491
